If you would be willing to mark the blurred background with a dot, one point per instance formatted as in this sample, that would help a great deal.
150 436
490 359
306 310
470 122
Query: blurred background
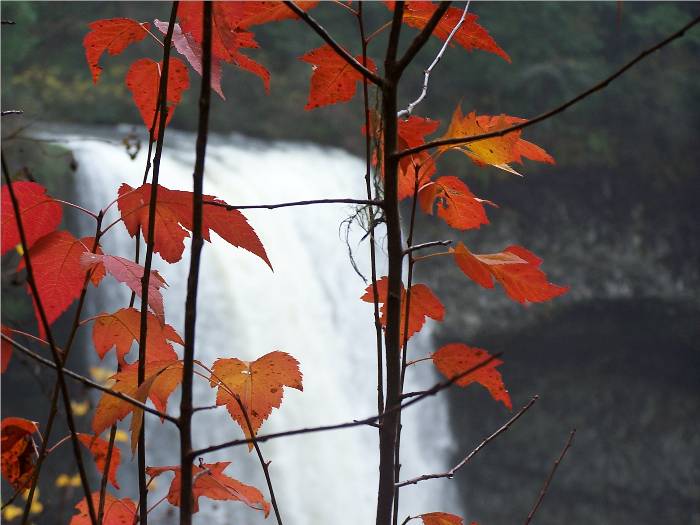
616 219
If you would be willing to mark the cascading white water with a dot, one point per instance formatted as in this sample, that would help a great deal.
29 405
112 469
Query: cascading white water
309 307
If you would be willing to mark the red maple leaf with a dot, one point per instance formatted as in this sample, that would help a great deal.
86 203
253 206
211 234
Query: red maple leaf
441 518
143 80
18 450
456 204
333 79
517 269
423 304
470 35
58 272
210 481
113 35
40 214
456 358
128 272
258 384
98 448
121 328
116 511
258 13
174 219
227 35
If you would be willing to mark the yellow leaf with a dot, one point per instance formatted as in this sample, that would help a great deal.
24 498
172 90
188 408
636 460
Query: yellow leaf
36 508
121 437
11 512
80 408
99 374
62 480
19 249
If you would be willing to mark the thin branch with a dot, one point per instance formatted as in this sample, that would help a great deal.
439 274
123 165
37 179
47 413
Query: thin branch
54 349
559 109
426 77
411 249
543 492
355 422
311 22
422 37
84 210
7 112
105 474
368 202
346 6
450 473
88 382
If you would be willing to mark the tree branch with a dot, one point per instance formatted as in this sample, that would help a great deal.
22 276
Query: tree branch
543 492
559 109
450 473
422 37
311 22
421 246
368 202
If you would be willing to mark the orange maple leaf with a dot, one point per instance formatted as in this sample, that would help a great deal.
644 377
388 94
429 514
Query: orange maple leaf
18 450
333 80
113 35
258 384
116 511
174 221
121 328
210 481
517 269
456 204
143 80
423 304
98 448
456 358
441 518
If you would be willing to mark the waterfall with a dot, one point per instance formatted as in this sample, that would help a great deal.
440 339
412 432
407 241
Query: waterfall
309 307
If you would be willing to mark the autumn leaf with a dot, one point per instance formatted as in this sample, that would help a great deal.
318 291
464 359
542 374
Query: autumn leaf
333 80
113 35
121 328
523 148
18 450
143 80
64 480
456 358
58 272
210 481
228 37
188 47
116 511
258 13
174 220
40 214
98 448
411 133
423 304
456 204
129 273
470 35
258 384
441 518
161 379
5 350
517 269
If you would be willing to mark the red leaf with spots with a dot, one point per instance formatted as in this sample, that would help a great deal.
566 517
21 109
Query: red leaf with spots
113 35
98 448
228 36
456 358
258 384
116 511
470 35
456 204
143 80
121 328
423 304
210 481
517 269
333 80
174 220
58 272
18 450
40 214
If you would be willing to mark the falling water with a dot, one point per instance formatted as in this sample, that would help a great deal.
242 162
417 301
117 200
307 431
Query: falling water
309 307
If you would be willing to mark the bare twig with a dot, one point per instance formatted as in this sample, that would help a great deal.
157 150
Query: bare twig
422 37
421 246
311 22
543 492
368 202
559 109
7 112
426 77
88 382
450 473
